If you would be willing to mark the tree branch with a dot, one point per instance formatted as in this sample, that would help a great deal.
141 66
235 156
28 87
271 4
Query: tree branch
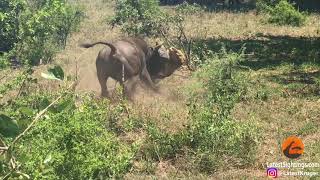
3 148
166 38
186 44
2 143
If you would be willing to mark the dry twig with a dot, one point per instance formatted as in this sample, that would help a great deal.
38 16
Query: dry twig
3 148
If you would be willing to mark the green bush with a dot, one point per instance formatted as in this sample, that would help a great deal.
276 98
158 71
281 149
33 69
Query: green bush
264 5
213 130
70 141
35 30
143 17
163 145
224 85
9 23
186 8
284 13
74 144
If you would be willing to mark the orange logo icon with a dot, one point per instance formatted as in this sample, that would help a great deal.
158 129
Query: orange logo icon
292 147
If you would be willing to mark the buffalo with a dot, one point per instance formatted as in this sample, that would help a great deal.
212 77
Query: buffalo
130 59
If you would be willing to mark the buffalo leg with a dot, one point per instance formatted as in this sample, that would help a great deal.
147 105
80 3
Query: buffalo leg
129 87
103 84
145 77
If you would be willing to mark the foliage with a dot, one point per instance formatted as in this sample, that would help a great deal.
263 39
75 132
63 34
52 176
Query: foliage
283 13
55 73
223 82
70 141
201 53
16 82
208 3
4 60
162 145
35 30
263 5
213 135
143 17
213 130
186 8
9 23
9 127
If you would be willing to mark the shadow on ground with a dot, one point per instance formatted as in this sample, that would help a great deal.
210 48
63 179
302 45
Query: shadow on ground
272 52
296 77
267 51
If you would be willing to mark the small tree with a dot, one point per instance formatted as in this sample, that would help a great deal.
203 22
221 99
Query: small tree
284 13
281 12
33 30
140 17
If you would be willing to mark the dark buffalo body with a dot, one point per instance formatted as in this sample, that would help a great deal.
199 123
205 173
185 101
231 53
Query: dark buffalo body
138 60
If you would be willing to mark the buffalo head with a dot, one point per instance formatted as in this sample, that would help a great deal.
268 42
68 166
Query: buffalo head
163 62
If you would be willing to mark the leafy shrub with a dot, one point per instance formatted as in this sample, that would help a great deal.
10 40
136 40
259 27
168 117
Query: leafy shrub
186 8
36 30
70 141
163 145
41 39
9 23
143 17
264 5
213 130
201 53
284 13
133 123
